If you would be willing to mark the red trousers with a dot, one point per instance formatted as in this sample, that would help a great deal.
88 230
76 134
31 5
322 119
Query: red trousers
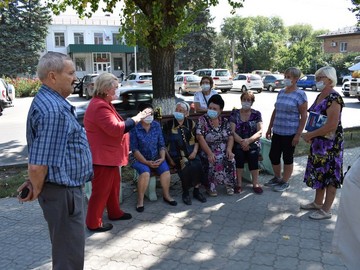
105 192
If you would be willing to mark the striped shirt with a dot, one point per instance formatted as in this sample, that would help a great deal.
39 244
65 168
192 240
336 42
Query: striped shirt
56 139
287 115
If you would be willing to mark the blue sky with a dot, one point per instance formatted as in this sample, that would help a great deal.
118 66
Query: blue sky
321 14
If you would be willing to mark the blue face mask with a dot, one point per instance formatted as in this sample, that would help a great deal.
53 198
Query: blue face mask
178 115
212 114
287 82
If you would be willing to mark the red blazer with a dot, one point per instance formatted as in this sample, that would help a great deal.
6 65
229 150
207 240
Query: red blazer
105 132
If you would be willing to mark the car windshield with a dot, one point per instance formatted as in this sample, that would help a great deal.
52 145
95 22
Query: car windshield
223 72
145 77
255 78
193 78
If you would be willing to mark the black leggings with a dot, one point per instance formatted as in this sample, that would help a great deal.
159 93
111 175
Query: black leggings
282 145
251 157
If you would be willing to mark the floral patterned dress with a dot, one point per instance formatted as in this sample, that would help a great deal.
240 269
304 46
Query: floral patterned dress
222 171
325 161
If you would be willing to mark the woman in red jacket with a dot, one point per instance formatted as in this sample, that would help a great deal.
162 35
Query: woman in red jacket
108 137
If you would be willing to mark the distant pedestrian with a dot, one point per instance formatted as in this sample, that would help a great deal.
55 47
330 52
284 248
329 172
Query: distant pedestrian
324 168
59 161
286 125
122 76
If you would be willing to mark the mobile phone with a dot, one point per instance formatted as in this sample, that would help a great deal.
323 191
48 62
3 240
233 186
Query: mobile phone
24 192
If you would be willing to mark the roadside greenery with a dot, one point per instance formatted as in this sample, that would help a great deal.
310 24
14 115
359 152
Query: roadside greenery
24 87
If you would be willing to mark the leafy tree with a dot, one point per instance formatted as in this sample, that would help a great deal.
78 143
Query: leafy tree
222 47
158 24
23 29
197 47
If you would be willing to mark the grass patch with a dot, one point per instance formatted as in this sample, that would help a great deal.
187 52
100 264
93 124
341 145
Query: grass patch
13 176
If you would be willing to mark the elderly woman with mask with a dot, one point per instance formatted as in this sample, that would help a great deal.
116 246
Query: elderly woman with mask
179 134
202 97
246 126
108 137
325 162
216 141
148 154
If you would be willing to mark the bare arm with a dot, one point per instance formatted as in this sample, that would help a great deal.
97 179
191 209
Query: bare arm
204 146
269 130
302 122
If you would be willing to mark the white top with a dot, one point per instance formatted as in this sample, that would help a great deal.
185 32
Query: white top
199 97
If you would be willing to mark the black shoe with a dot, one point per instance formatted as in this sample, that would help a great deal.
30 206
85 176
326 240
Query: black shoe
104 227
186 199
173 202
140 209
125 216
199 196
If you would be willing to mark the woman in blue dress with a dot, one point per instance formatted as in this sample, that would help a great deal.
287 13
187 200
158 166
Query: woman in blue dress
324 168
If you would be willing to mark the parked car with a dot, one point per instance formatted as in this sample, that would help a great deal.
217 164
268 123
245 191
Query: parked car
5 100
346 78
88 85
186 84
248 81
184 72
261 72
222 78
138 79
308 81
129 100
273 81
347 90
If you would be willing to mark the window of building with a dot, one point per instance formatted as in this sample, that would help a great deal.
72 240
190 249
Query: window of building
118 63
101 57
59 39
98 38
343 46
117 39
80 64
78 38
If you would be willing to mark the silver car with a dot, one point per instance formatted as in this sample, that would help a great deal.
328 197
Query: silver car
186 84
222 78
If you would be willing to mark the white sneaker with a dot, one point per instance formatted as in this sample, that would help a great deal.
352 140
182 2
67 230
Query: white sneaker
320 214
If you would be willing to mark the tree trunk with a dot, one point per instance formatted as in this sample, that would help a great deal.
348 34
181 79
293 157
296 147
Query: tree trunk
162 67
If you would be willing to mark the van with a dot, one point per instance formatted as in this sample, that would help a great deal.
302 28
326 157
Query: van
221 77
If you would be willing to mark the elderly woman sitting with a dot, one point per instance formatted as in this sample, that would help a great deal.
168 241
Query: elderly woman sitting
216 140
179 134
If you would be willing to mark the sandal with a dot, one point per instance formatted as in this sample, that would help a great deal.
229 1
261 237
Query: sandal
258 190
320 214
238 189
229 190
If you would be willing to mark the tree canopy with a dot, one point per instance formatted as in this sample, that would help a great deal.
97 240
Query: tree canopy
23 29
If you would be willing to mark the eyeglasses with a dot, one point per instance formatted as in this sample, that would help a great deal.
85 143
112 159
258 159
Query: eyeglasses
318 78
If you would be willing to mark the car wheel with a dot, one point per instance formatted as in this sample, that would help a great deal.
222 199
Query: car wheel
181 91
259 90
224 90
304 88
271 88
243 88
313 88
346 95
87 94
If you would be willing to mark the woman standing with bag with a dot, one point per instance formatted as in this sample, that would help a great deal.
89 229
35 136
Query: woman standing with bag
179 134
201 98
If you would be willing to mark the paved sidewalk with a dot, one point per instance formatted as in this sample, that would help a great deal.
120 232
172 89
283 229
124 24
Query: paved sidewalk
245 231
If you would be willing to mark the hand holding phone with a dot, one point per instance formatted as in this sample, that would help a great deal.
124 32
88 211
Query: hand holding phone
24 192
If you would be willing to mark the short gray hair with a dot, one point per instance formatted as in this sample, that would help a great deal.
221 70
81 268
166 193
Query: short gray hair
184 105
329 72
293 71
51 61
104 82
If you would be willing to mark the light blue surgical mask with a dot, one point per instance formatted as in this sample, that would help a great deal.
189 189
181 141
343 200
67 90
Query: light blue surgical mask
179 116
287 82
148 119
320 85
212 113
205 87
245 105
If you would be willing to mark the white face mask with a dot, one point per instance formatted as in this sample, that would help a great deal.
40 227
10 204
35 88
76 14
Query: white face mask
245 105
148 119
287 82
320 85
205 87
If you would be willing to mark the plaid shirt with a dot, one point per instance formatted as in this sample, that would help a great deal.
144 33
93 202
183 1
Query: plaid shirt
56 139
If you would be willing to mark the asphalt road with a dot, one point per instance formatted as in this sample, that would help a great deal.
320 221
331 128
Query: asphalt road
13 122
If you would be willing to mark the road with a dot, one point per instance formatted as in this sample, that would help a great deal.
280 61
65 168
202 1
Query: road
13 122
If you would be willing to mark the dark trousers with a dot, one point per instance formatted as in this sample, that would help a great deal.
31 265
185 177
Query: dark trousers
63 209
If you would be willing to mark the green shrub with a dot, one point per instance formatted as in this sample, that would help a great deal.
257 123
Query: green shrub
25 87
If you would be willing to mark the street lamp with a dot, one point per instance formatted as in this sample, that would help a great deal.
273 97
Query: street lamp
135 62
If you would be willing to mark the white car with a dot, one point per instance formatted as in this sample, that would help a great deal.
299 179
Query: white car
138 79
222 78
184 72
185 84
244 82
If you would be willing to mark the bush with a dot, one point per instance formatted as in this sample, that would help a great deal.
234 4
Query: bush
25 87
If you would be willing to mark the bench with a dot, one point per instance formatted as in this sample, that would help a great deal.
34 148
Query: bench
264 161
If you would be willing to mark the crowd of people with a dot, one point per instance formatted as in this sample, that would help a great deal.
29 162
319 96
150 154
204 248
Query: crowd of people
209 153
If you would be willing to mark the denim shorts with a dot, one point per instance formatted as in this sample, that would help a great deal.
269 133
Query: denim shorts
141 168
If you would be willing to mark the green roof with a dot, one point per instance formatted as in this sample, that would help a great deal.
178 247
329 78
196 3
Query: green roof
89 48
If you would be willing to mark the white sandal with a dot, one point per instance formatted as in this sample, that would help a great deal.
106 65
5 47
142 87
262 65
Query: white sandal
310 206
320 214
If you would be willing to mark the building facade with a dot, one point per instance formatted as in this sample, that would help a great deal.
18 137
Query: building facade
94 44
345 40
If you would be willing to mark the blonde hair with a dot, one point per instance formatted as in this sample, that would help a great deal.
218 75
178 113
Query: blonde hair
103 83
329 72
